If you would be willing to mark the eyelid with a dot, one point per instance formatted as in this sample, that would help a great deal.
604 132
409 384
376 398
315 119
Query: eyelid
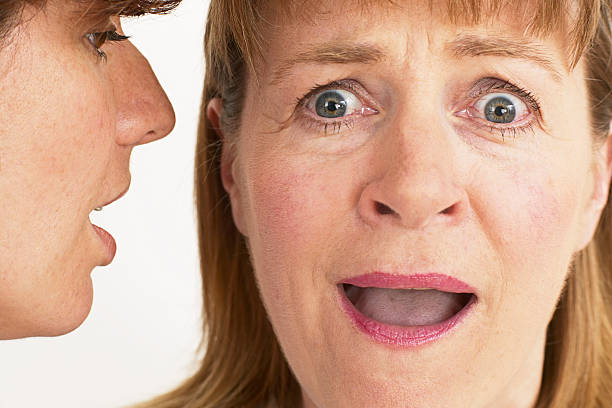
299 111
491 86
494 85
305 114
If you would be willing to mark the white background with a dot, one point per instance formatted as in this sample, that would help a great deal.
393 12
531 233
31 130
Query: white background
143 331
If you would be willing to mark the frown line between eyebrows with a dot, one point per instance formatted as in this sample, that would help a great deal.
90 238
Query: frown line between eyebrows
329 53
469 45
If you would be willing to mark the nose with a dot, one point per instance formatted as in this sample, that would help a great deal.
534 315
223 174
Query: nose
416 183
144 113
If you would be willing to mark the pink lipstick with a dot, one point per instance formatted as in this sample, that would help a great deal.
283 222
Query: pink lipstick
110 245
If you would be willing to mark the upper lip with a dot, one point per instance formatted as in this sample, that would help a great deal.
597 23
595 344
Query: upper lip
438 281
118 196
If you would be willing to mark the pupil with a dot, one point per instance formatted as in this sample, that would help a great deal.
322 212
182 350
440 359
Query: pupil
500 111
332 106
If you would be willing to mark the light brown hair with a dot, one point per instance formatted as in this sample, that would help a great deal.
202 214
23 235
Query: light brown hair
243 365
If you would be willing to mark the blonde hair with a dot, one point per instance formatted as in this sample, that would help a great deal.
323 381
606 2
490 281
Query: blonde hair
243 365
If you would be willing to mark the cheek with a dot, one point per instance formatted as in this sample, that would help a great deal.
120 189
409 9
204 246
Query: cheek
290 217
538 214
529 217
54 154
289 202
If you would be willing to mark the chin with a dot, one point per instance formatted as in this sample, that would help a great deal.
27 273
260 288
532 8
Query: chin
62 312
71 312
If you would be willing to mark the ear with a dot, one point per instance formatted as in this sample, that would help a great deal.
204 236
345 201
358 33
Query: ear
601 173
228 164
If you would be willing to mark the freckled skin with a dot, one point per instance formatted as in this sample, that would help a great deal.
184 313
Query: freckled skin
69 124
519 209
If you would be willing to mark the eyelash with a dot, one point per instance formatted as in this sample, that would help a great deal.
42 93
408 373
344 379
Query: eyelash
490 85
483 87
98 39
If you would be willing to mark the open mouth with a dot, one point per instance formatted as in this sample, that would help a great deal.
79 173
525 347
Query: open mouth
406 310
406 307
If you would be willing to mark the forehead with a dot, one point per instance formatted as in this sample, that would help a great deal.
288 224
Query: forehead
365 31
306 22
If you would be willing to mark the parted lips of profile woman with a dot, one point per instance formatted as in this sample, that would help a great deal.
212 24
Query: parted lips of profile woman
400 205
75 98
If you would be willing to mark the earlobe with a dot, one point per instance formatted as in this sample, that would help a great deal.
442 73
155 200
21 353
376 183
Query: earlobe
228 163
602 173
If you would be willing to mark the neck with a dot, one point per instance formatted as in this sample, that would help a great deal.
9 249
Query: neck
523 388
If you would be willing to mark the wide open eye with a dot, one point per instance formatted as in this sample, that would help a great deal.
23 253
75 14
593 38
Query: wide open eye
97 40
501 108
336 103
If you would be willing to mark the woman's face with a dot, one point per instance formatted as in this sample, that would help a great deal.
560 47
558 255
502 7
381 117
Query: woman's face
385 151
70 119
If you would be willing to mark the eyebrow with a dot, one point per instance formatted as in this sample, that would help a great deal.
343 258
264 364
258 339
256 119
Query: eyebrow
475 46
330 53
463 46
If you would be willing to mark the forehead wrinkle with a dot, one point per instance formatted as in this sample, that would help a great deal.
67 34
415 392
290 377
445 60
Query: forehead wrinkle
330 53
469 45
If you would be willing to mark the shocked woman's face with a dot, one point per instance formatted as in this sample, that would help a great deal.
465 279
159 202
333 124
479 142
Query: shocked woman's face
412 192
70 116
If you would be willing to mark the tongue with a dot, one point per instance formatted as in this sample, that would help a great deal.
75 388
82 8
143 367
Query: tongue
406 307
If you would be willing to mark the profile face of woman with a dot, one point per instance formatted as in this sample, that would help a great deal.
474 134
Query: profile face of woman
70 118
387 150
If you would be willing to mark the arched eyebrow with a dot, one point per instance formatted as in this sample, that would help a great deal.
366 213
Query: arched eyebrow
469 45
466 45
330 53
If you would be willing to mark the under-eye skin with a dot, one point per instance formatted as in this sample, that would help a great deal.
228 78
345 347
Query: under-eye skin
334 107
98 39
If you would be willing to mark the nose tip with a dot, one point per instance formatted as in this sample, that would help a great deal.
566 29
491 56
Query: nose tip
162 122
412 204
145 113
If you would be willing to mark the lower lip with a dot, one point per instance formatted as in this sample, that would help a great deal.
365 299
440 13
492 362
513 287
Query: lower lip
400 336
109 243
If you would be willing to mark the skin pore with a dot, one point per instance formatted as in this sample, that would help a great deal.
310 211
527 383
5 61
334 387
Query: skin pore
502 207
71 117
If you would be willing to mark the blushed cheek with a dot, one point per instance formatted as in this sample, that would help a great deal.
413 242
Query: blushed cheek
531 220
290 218
288 201
543 211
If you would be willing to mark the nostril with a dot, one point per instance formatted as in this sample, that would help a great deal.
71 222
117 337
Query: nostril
383 209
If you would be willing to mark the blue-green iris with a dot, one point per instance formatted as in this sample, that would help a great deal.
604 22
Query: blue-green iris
500 110
331 104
